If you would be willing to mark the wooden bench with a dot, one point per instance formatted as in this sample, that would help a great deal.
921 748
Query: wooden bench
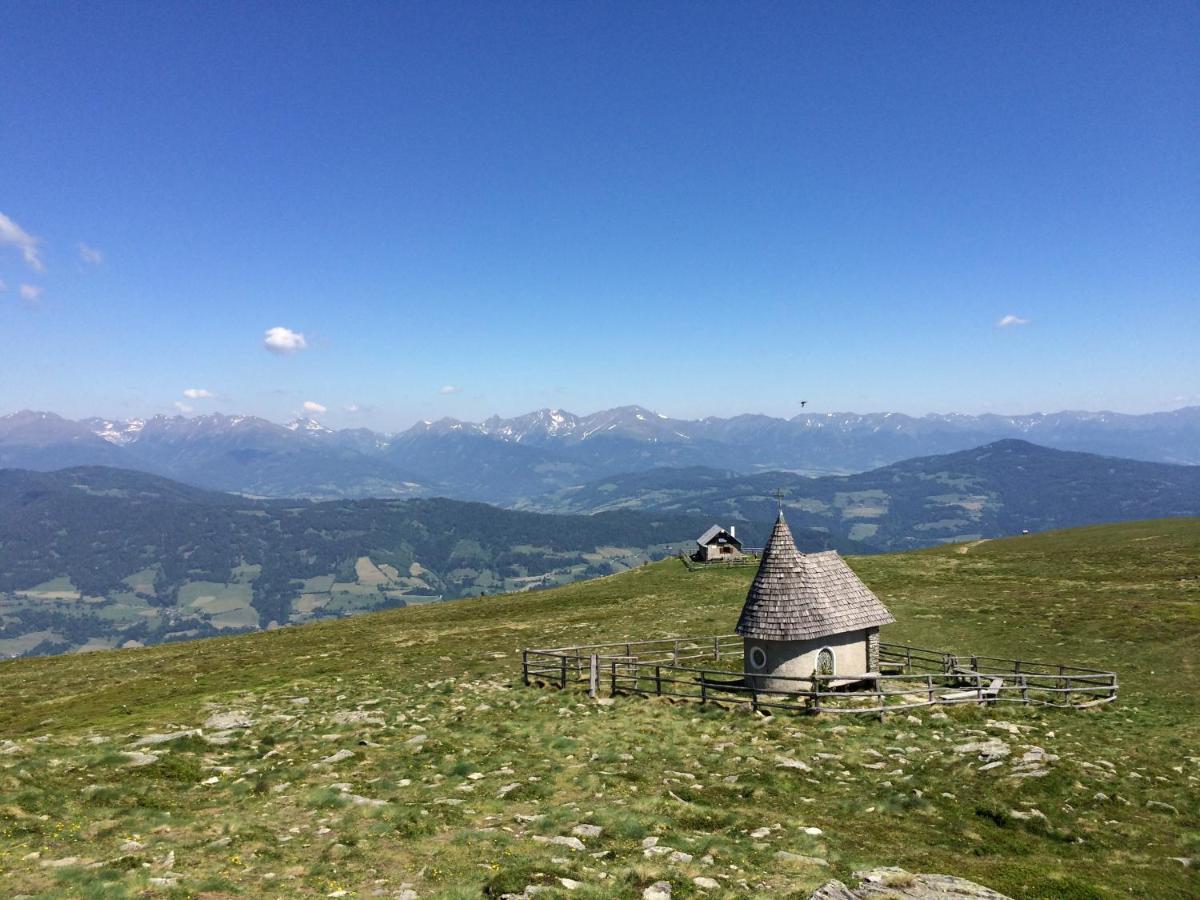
983 693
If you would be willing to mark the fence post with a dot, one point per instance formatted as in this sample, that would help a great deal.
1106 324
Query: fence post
978 687
908 660
594 675
612 690
703 689
525 667
1024 688
658 681
716 648
1112 686
675 655
564 671
974 663
753 697
929 687
1068 691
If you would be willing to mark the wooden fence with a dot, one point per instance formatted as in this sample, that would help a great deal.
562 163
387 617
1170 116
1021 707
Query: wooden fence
909 678
749 557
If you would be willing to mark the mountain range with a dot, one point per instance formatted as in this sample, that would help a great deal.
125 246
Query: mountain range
512 461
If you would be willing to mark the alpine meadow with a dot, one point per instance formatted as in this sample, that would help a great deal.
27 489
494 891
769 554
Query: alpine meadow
629 451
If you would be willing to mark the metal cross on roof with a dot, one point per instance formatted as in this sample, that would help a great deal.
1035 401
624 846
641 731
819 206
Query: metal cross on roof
779 498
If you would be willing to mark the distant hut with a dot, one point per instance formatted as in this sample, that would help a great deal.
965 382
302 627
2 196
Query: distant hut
717 544
808 614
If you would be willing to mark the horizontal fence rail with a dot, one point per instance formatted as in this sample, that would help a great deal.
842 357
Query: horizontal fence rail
908 677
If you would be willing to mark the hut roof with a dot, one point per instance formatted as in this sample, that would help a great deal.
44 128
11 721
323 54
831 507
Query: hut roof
714 532
797 596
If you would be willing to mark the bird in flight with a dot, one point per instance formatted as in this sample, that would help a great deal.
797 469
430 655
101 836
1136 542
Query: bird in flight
803 403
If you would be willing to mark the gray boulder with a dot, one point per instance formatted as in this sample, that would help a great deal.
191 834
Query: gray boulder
891 882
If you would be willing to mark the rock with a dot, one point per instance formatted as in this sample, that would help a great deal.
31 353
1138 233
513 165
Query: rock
340 756
587 831
226 721
833 890
649 842
1027 815
1035 756
561 841
897 884
760 833
813 831
135 758
507 789
678 856
357 717
660 890
417 740
152 739
132 846
784 762
989 750
569 883
365 801
796 858
1166 807
705 883
61 863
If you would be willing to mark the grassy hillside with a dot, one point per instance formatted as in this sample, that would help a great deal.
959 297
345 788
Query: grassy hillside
422 709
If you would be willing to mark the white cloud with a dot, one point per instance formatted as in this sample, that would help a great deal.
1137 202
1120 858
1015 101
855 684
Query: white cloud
13 234
313 407
197 394
449 389
90 254
284 341
30 292
182 407
1010 320
351 407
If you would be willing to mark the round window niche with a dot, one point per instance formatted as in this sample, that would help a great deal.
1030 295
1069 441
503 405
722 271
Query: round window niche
758 658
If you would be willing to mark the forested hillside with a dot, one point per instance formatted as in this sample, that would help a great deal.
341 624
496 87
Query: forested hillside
98 557
1003 488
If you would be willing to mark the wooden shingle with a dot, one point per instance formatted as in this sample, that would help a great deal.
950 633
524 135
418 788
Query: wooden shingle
797 596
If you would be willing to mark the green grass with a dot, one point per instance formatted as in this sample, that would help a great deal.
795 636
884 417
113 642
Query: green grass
1119 803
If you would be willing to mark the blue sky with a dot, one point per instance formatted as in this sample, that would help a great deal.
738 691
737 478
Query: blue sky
702 208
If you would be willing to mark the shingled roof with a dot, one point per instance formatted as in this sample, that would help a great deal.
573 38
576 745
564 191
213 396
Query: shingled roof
797 596
714 532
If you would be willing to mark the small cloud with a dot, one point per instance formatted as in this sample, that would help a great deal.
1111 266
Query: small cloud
3 286
449 389
351 407
14 235
90 254
182 407
1011 320
198 394
284 341
30 292
313 407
